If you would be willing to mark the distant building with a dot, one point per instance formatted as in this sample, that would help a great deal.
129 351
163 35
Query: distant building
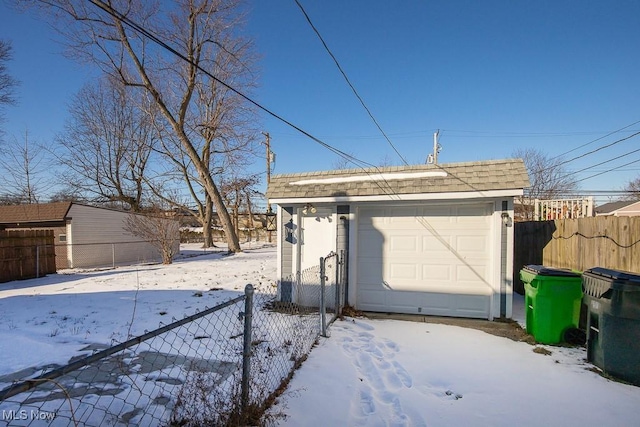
625 208
85 236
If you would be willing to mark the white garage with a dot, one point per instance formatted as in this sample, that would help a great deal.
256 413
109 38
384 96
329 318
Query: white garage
431 240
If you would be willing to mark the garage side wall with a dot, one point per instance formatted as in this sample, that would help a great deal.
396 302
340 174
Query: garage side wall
98 238
286 243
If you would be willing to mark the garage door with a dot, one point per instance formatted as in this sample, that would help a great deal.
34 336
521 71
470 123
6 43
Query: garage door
425 259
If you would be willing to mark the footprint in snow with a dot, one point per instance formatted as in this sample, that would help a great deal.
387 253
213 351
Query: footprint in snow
381 379
363 325
367 402
402 373
443 393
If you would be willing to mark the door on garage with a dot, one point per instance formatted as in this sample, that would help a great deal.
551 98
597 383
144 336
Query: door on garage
428 259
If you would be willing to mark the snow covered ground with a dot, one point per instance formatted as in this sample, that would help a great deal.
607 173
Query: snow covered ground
50 319
369 373
393 373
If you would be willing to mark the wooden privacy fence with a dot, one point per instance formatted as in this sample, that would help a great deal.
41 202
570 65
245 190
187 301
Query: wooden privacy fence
26 254
579 244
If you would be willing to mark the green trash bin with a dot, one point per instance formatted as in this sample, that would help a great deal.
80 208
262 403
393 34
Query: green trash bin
552 302
613 322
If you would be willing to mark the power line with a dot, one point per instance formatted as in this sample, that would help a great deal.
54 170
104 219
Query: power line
598 174
388 191
600 170
602 163
595 140
355 92
590 152
146 33
164 45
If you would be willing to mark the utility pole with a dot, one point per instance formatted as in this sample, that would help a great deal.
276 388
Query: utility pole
269 211
268 144
436 147
433 158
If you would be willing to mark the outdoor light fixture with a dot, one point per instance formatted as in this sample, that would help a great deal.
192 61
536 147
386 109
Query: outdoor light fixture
308 209
506 220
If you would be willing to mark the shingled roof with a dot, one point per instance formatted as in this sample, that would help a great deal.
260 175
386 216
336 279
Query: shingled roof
508 174
46 212
613 206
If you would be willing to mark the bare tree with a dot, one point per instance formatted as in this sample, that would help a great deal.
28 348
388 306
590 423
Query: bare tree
387 161
7 82
203 31
239 193
107 144
22 171
222 130
342 162
549 180
633 188
65 196
160 228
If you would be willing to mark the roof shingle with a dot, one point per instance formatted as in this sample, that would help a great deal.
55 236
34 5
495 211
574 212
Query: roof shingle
460 177
34 212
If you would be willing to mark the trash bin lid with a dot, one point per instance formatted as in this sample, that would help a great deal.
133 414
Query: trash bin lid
617 276
541 270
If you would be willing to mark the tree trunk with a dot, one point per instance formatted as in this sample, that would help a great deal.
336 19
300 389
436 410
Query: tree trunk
251 223
207 233
223 214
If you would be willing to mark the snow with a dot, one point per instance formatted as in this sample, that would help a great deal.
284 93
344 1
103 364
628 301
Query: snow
368 373
51 319
371 177
385 372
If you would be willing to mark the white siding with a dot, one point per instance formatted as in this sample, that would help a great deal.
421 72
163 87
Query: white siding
98 238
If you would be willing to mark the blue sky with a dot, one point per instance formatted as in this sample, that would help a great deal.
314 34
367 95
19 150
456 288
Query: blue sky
493 76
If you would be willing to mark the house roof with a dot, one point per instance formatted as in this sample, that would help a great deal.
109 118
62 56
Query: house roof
419 179
613 206
46 212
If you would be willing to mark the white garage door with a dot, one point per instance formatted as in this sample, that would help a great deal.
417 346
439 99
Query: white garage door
425 259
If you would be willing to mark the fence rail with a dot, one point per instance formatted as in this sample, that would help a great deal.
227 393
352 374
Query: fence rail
217 367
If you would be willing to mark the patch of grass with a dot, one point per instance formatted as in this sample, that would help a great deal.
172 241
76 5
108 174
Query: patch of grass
348 311
542 350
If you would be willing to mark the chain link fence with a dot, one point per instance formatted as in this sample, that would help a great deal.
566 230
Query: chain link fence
222 366
105 255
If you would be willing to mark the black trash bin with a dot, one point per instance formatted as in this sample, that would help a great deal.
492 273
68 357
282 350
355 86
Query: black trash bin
612 298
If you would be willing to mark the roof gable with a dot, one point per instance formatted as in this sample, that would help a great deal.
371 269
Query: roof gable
418 179
46 212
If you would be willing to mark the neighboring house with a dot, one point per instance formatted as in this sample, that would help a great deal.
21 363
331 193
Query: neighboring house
85 236
427 239
626 208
